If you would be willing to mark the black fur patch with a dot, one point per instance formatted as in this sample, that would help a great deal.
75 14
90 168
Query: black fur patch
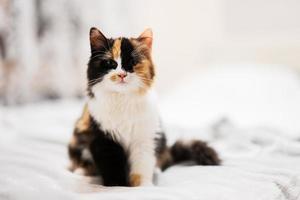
160 143
98 66
82 141
162 151
110 158
197 151
127 58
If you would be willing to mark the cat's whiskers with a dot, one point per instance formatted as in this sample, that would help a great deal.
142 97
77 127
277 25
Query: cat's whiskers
144 78
92 82
98 51
96 56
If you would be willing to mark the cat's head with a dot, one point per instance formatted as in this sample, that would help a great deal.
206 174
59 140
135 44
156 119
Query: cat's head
121 65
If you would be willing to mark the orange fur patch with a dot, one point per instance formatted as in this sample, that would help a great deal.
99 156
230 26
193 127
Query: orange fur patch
84 122
114 78
107 55
116 49
135 180
145 70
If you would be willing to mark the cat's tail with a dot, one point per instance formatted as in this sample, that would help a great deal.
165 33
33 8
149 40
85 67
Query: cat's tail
195 151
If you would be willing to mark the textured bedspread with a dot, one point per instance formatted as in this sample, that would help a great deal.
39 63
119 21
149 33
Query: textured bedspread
257 163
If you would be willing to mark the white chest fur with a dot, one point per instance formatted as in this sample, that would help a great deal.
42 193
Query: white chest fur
130 119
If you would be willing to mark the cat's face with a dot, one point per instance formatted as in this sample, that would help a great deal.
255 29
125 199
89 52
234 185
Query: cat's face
121 65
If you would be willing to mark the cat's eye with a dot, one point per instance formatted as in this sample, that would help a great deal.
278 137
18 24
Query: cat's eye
109 63
133 62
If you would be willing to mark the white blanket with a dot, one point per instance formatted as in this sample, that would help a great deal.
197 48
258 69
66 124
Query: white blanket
257 163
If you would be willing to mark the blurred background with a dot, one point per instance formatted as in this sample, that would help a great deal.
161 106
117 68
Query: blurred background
228 72
238 55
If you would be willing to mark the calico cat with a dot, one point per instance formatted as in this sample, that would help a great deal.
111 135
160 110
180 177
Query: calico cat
118 135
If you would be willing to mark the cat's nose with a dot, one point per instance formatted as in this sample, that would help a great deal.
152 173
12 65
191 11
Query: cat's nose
122 75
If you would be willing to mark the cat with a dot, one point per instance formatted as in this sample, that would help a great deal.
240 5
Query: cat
119 134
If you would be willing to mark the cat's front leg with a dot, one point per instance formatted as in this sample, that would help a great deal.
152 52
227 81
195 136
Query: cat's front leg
142 162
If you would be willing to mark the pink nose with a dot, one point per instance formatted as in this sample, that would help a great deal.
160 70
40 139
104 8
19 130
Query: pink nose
122 75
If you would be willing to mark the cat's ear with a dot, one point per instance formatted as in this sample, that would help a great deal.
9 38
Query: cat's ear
97 39
146 37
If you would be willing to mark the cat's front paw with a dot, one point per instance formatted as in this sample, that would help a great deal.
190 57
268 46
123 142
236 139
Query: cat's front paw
136 180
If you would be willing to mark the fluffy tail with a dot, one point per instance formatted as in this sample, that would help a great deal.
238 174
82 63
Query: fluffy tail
195 151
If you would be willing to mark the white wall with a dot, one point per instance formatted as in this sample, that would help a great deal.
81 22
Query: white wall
188 36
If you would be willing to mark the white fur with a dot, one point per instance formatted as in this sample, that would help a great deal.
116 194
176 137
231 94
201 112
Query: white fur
131 118
118 60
